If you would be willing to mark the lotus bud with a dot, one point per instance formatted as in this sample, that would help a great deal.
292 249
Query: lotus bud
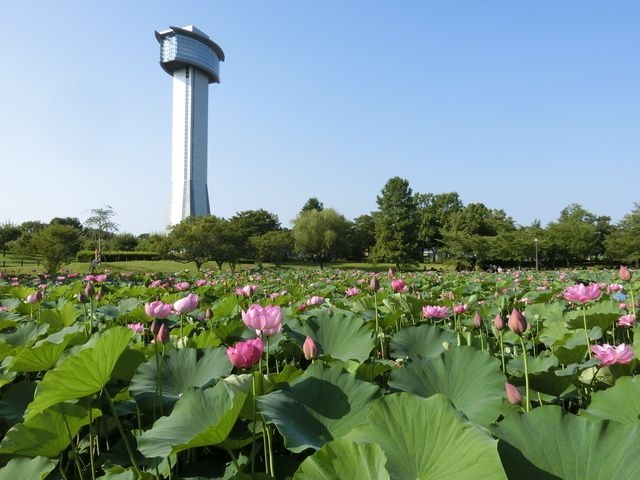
82 298
624 274
477 320
208 313
513 394
99 294
154 328
498 322
163 334
517 323
374 284
89 291
309 349
390 273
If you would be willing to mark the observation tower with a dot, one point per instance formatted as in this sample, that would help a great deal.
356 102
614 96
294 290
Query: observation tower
193 60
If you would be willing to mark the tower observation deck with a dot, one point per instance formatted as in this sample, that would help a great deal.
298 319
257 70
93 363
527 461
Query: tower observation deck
193 60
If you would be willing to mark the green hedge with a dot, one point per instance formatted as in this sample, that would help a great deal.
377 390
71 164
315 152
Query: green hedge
117 256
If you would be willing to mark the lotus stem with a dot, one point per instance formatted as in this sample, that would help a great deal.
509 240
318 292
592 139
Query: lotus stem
527 405
504 369
586 332
122 433
76 454
91 461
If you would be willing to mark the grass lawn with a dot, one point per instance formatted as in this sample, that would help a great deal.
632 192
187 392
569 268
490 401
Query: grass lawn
13 265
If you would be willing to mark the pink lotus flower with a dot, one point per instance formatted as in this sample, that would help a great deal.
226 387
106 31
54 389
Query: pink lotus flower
398 285
435 311
181 286
201 282
309 348
609 355
100 278
517 323
628 320
315 300
246 291
460 308
513 394
247 353
186 304
352 291
614 287
582 293
157 309
266 321
624 274
34 297
155 284
136 327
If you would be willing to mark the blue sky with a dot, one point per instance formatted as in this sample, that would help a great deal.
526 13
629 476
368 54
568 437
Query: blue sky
524 106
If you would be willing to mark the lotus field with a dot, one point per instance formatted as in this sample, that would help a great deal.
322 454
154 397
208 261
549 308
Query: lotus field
334 374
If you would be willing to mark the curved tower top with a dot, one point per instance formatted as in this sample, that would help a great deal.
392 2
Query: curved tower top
188 46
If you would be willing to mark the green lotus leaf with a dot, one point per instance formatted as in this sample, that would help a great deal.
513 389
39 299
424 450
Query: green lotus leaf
27 468
83 373
601 314
46 434
428 438
14 401
62 316
620 402
181 369
44 354
322 404
470 378
341 334
199 418
344 460
562 445
420 341
25 334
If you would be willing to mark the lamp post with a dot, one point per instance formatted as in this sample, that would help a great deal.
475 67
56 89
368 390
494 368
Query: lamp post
535 242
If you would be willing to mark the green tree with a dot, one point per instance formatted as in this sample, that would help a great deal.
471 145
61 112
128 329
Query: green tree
71 221
57 244
397 224
8 233
312 204
203 239
434 210
623 243
321 235
126 242
275 246
250 223
574 236
362 237
152 242
102 225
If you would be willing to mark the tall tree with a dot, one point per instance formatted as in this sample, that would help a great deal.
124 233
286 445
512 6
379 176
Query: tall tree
574 236
101 220
8 233
312 204
434 210
362 237
250 223
275 246
56 244
321 234
397 224
623 243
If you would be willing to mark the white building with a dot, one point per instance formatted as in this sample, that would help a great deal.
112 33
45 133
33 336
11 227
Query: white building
193 60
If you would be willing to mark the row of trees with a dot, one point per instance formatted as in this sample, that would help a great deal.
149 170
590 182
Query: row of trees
407 228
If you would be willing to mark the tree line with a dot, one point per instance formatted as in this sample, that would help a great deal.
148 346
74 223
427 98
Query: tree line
407 228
